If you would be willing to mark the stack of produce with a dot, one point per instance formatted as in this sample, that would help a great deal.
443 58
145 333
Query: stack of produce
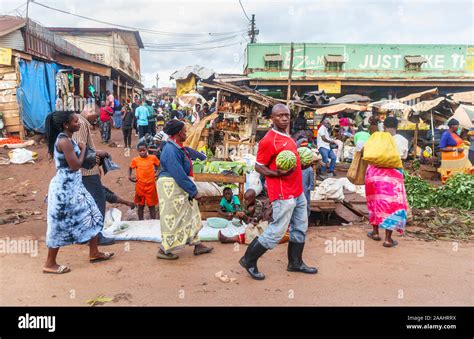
458 192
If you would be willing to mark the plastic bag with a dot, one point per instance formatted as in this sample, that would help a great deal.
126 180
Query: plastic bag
22 156
381 151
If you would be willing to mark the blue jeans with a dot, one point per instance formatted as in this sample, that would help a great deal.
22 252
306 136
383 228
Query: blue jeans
291 212
328 154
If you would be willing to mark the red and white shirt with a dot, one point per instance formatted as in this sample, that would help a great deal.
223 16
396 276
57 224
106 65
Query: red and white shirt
280 188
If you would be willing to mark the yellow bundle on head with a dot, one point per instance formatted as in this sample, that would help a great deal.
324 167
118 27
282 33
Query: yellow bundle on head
381 151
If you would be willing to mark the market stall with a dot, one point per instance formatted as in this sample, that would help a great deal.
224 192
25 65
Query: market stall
240 116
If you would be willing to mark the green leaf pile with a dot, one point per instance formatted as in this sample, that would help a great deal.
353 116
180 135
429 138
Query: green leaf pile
458 192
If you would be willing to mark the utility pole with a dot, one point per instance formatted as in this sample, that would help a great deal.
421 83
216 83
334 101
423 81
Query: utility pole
27 26
290 73
157 78
253 31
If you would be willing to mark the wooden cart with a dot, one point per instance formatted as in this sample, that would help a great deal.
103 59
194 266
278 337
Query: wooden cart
209 205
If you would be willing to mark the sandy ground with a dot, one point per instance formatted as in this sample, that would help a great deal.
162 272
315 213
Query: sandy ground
413 273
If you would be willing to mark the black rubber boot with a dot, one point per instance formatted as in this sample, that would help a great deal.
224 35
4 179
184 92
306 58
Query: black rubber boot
295 259
249 260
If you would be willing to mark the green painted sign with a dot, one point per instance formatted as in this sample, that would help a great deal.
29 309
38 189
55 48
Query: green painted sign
362 61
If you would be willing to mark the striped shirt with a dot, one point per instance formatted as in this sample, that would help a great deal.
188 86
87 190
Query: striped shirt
84 136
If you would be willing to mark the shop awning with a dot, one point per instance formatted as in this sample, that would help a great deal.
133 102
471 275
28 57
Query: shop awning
273 57
347 108
425 95
465 115
83 65
462 97
334 58
415 59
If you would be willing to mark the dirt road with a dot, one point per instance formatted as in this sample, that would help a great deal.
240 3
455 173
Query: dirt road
413 273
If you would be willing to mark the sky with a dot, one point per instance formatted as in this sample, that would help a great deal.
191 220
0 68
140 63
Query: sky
348 21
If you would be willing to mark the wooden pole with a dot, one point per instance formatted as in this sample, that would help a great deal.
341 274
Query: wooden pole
415 141
290 73
118 88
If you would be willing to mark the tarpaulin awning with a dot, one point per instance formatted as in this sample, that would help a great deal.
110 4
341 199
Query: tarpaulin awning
202 73
462 97
425 95
349 99
36 94
465 115
348 108
388 105
185 85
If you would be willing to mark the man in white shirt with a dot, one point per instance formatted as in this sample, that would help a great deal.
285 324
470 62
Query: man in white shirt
402 145
324 142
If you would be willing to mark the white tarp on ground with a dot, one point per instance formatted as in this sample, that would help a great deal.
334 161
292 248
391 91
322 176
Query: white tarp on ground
149 230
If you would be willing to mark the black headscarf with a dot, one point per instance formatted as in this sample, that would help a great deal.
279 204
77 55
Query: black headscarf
173 127
453 122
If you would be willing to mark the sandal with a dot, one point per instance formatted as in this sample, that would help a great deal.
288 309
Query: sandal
203 250
169 256
373 237
60 270
392 244
104 257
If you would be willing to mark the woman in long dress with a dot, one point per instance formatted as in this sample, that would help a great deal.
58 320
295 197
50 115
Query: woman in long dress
180 218
73 216
386 196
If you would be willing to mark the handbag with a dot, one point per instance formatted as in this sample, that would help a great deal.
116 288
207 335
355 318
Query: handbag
356 172
90 158
109 165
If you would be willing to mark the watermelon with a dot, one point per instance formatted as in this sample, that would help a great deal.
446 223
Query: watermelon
286 160
306 156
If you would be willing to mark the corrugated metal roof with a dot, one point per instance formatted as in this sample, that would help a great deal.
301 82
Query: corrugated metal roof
415 59
9 24
75 30
334 58
13 40
273 57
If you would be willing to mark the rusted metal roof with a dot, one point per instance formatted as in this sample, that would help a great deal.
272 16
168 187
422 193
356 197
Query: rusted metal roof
415 59
80 31
334 58
9 24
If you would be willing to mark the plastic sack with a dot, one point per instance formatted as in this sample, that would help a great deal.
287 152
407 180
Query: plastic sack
381 151
332 188
112 216
22 156
253 181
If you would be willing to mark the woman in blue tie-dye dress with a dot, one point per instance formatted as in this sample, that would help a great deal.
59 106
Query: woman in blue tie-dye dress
73 216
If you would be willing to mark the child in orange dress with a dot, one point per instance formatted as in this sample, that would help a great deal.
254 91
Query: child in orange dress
146 167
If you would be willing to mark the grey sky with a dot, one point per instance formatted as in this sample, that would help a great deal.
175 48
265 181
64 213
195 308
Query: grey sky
356 21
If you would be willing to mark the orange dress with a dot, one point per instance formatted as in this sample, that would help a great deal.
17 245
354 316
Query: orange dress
145 188
454 162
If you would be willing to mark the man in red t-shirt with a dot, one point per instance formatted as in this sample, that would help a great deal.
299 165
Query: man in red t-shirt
285 190
105 123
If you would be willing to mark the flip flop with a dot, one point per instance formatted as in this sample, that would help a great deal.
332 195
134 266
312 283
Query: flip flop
107 256
203 251
61 270
393 244
371 236
169 256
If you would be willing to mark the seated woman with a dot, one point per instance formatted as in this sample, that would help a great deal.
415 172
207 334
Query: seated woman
453 158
